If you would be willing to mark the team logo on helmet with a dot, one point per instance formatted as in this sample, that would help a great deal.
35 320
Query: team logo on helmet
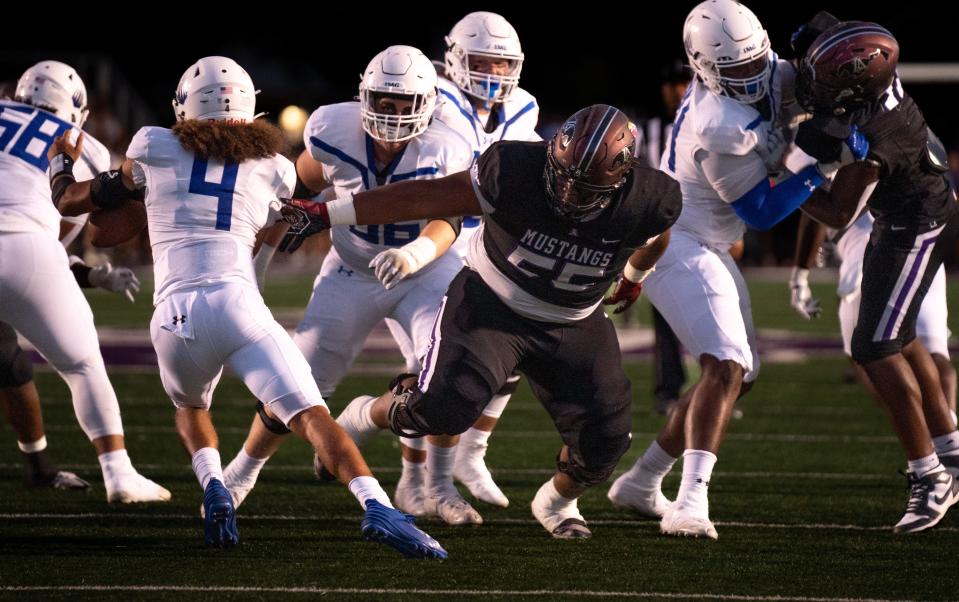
78 99
566 136
857 65
180 95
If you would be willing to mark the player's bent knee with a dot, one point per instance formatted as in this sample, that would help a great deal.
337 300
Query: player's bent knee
287 407
593 468
449 407
16 368
727 374
271 423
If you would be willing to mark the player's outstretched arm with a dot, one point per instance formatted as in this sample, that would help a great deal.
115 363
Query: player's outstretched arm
640 265
450 196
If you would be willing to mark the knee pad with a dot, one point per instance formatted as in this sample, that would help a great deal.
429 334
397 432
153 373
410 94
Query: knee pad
594 470
272 424
402 420
450 406
16 368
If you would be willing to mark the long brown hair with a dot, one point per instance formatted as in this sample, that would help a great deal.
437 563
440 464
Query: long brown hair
230 142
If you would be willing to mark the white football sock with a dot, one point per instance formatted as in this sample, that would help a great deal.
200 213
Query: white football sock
368 488
207 466
921 466
439 467
697 470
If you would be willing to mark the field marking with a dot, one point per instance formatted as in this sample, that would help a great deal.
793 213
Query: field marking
548 434
609 522
426 592
307 469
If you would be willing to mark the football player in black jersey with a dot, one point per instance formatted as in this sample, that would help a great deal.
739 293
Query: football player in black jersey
847 79
562 219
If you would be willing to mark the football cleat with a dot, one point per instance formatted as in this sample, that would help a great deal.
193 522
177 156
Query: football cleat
397 530
627 492
410 496
133 488
470 470
450 506
684 521
565 523
219 516
930 496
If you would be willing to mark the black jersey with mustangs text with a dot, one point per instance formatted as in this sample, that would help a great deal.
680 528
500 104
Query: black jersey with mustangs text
552 268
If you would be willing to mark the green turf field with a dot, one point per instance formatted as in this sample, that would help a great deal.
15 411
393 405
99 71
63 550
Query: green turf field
804 496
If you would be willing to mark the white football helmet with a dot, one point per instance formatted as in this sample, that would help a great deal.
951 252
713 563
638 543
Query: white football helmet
728 50
405 74
215 88
55 87
488 35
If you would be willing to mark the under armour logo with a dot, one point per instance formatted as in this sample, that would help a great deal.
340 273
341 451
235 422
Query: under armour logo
344 270
179 320
574 232
808 184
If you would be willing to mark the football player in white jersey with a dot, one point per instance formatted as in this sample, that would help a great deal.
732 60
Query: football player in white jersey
931 326
39 295
727 139
210 183
397 271
18 393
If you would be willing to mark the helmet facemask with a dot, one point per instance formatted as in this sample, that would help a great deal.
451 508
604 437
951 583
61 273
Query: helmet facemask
390 117
496 77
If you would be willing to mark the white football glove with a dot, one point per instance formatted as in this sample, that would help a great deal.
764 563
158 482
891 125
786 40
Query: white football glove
393 265
118 280
776 144
802 299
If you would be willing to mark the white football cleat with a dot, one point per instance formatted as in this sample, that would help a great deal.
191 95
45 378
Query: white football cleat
470 469
68 480
930 496
134 488
410 496
686 522
628 493
450 506
238 491
566 523
356 421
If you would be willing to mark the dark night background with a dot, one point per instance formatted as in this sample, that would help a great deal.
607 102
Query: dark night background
310 54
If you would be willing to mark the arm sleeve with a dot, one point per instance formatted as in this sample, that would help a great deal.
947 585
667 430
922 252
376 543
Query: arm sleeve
764 206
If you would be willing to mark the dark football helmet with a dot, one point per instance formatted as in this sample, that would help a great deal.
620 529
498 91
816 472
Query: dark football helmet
588 160
847 68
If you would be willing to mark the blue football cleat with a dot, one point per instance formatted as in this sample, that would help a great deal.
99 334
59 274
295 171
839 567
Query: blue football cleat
399 531
219 522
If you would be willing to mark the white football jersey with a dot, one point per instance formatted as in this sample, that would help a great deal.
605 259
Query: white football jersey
334 137
515 118
26 134
203 216
729 132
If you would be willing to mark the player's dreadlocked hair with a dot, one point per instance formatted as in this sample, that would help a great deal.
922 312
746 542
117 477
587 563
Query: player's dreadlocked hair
230 142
